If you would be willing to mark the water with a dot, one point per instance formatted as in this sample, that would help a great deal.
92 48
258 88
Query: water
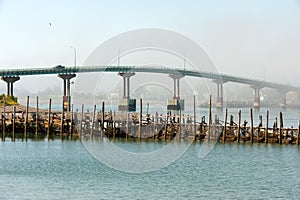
65 170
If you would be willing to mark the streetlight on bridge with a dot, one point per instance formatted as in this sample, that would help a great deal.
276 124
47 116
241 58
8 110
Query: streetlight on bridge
74 49
67 83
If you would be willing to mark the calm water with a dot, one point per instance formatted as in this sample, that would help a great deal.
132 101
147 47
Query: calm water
65 170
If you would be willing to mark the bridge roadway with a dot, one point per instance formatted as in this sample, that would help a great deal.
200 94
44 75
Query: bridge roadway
150 69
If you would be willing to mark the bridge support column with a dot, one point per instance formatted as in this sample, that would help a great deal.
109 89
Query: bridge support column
176 103
283 100
66 90
176 90
10 83
256 103
220 102
127 104
126 83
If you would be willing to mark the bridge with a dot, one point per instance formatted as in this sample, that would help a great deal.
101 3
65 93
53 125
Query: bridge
67 73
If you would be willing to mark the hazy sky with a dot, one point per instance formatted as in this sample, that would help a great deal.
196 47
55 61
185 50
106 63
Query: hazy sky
258 39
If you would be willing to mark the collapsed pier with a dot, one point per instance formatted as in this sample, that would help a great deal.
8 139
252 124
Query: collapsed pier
25 122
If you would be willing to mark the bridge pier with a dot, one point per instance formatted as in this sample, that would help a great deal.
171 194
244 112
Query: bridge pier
10 83
283 100
176 90
127 104
126 83
176 103
256 103
66 90
220 101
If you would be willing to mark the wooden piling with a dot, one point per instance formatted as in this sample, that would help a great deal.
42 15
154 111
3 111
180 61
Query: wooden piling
156 122
260 121
2 135
231 121
127 125
111 123
166 127
49 120
280 127
195 128
81 121
62 122
103 116
267 128
13 124
259 125
239 126
26 118
225 126
209 119
298 134
141 118
72 122
37 117
179 126
251 126
93 120
3 121
114 124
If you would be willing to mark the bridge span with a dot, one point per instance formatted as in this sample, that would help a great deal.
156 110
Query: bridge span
12 75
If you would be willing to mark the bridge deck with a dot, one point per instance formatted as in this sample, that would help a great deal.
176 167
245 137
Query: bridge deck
153 69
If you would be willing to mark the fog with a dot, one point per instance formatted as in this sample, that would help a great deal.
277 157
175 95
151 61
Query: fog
255 39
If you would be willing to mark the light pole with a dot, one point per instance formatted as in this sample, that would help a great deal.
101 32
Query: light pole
74 49
69 83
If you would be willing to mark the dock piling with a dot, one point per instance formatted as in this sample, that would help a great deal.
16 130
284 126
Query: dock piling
280 127
62 122
93 120
3 121
225 126
37 117
179 138
141 119
298 134
103 116
127 125
81 121
267 128
72 122
195 127
26 118
239 126
209 119
166 127
251 126
13 124
49 120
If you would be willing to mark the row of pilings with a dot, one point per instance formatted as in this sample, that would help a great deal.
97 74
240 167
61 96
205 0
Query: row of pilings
35 123
171 126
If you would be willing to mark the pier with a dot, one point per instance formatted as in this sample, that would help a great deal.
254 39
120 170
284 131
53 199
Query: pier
24 122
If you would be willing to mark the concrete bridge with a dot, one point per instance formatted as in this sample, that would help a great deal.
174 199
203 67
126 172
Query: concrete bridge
67 73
